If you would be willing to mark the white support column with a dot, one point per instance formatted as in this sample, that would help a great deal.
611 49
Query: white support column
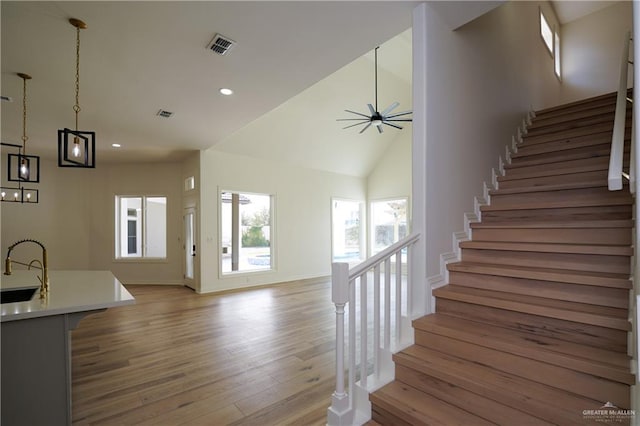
419 295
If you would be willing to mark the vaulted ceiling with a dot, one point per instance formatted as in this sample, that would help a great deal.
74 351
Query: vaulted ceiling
295 68
139 57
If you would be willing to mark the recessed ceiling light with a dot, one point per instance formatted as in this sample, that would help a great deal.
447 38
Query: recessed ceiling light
116 145
226 91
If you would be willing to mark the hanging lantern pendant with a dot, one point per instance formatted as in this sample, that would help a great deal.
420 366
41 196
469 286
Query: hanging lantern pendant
76 148
23 167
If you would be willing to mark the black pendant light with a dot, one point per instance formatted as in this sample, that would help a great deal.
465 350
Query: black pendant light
77 148
22 167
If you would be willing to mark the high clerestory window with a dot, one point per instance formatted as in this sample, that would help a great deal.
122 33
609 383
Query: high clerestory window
551 38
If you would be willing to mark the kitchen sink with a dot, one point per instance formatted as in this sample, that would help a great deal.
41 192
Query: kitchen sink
11 295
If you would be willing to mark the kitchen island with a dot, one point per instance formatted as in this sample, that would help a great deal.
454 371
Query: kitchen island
36 341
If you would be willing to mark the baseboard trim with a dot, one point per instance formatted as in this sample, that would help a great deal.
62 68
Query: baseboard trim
147 282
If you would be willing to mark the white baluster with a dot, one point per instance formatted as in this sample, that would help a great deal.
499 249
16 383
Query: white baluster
363 330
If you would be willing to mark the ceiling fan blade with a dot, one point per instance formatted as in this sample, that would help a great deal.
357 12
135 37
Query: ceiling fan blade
373 111
365 127
399 119
353 119
392 125
390 108
399 114
379 126
357 113
353 125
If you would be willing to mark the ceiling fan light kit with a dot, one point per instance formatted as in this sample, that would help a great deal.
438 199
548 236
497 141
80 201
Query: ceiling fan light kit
376 118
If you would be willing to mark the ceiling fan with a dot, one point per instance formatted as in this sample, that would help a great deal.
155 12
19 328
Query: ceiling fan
377 118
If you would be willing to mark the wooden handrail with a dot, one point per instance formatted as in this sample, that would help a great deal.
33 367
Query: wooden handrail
617 139
357 270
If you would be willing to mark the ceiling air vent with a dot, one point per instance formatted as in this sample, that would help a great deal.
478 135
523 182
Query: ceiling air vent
221 44
164 114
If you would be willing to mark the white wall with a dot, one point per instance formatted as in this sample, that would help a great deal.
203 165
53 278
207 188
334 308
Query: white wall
76 215
591 51
479 82
302 234
391 177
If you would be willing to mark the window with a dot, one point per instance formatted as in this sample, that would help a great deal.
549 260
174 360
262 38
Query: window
388 223
141 227
546 32
246 232
190 183
346 219
556 53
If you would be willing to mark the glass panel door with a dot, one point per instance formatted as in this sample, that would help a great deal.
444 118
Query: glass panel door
189 247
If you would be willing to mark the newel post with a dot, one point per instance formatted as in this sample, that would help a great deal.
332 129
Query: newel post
339 413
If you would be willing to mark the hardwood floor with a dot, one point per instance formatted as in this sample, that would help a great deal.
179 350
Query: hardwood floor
257 357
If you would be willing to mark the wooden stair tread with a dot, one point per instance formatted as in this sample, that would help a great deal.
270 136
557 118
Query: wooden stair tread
534 398
590 111
604 99
556 224
588 359
486 408
550 247
603 279
563 379
584 120
567 133
567 165
558 214
562 134
599 151
547 204
595 177
563 310
416 407
594 183
564 145
590 294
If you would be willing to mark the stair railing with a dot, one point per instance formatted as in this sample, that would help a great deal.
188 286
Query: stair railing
617 139
379 318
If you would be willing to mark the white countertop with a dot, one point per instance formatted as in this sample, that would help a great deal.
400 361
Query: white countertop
69 291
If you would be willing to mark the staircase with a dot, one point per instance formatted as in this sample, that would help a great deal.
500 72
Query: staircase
532 327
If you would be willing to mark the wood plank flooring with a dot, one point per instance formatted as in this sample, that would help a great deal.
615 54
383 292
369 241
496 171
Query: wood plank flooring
261 356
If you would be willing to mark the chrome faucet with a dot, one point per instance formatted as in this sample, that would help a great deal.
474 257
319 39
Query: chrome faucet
44 280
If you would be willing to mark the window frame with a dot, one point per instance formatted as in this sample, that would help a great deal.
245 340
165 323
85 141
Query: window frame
272 235
371 216
362 227
142 222
557 63
543 18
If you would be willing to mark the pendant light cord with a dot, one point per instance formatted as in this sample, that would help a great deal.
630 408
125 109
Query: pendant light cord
76 107
24 116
